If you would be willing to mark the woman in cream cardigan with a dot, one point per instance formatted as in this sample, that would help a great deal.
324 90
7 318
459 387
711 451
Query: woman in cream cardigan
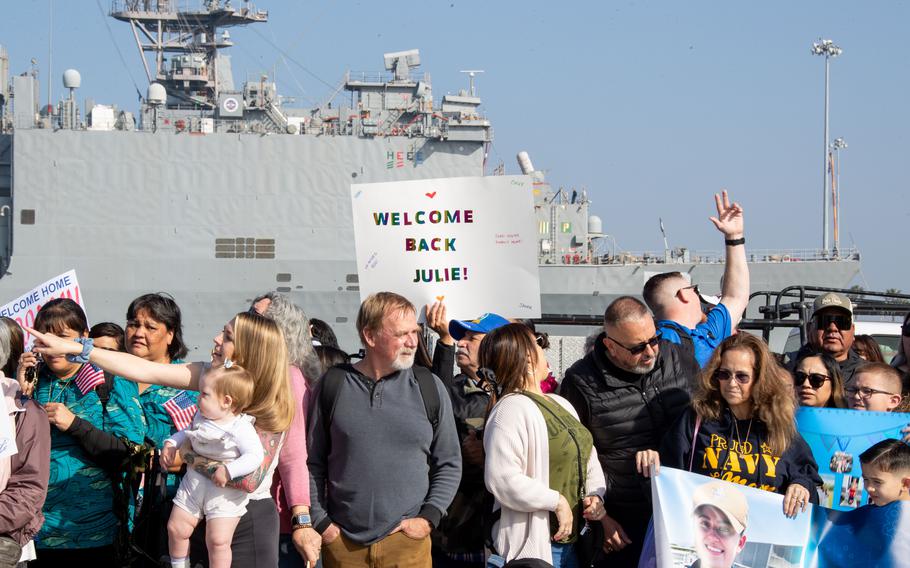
539 458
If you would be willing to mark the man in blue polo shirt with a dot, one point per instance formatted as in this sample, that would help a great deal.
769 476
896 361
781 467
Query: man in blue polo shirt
676 302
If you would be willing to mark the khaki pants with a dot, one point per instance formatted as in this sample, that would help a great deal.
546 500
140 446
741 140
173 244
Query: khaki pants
394 551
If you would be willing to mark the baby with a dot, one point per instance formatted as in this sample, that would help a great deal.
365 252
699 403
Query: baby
886 472
218 432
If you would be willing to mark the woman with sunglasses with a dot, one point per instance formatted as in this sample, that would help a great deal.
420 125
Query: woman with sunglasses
741 426
817 381
541 466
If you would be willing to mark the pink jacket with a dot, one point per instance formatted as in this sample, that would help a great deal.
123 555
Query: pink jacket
291 483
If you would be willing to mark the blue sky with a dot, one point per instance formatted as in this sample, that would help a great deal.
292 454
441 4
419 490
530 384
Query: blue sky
652 106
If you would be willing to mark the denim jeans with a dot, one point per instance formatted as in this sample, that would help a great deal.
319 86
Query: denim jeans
564 555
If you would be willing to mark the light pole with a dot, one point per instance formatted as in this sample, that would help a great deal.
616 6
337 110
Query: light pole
836 146
827 48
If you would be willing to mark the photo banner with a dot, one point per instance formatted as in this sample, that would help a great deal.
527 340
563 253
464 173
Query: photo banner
701 521
470 242
837 437
24 308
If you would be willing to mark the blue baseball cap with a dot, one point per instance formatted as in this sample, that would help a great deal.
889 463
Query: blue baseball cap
484 324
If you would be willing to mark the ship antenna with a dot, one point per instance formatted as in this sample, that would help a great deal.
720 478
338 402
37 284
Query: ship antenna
471 74
663 231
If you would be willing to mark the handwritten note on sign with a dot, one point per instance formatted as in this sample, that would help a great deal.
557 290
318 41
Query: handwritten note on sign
24 308
468 241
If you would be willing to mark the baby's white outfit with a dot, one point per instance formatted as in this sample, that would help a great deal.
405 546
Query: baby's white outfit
237 445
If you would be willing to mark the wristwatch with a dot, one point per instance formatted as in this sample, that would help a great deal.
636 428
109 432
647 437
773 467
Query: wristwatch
301 522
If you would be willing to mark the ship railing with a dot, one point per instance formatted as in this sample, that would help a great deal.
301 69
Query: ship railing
384 77
683 256
166 6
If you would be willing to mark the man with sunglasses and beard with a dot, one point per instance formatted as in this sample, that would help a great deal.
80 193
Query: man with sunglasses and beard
831 330
677 303
628 391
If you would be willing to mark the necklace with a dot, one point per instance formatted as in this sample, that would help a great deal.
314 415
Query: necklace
739 440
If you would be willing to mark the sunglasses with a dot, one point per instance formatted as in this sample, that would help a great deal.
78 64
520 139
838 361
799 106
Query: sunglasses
692 287
816 380
542 339
905 329
842 322
724 375
639 348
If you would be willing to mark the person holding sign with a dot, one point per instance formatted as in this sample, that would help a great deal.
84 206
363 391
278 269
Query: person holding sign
541 465
741 427
24 463
83 530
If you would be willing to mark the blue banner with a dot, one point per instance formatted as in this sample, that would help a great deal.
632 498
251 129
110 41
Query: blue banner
837 438
701 522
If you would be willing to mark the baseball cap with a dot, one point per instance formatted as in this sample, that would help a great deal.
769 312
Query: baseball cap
484 324
832 300
727 498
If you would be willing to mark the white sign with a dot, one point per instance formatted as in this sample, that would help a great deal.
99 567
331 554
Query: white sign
470 242
24 308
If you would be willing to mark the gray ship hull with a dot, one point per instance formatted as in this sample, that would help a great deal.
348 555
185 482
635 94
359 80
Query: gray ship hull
136 212
217 219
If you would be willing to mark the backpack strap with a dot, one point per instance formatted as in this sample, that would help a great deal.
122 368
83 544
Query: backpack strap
430 394
331 386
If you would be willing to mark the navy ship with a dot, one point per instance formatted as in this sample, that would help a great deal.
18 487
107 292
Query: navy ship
217 192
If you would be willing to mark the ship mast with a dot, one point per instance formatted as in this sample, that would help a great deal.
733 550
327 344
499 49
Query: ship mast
191 76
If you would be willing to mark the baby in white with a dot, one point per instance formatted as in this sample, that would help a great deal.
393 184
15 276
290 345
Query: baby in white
219 432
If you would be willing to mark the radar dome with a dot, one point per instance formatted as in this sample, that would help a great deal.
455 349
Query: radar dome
72 79
595 225
157 95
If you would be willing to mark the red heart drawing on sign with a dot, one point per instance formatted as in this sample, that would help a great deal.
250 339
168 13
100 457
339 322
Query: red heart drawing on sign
431 195
440 298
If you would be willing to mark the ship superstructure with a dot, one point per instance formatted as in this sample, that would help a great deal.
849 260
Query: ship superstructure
216 192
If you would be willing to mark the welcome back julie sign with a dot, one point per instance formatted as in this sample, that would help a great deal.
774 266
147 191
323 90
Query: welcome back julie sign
470 242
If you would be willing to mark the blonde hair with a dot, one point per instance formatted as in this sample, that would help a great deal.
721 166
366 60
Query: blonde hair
773 400
235 382
259 347
376 307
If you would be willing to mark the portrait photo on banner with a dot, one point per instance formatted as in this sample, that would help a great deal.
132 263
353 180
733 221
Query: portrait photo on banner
702 522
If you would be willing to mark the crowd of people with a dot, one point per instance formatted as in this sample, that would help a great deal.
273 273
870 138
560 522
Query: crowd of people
283 450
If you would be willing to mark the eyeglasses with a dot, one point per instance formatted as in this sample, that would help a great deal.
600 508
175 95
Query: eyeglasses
866 392
724 375
816 380
639 348
842 322
905 329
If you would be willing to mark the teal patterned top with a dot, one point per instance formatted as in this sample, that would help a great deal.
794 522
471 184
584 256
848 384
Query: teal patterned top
79 507
159 426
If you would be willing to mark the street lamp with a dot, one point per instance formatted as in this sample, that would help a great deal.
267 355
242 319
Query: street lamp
827 48
836 146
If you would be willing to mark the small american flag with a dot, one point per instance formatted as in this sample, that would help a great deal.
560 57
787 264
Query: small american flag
88 378
181 409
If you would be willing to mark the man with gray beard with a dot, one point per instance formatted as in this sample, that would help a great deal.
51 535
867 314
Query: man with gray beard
628 391
382 474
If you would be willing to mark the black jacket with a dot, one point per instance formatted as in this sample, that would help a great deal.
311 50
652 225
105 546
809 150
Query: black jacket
626 412
736 451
